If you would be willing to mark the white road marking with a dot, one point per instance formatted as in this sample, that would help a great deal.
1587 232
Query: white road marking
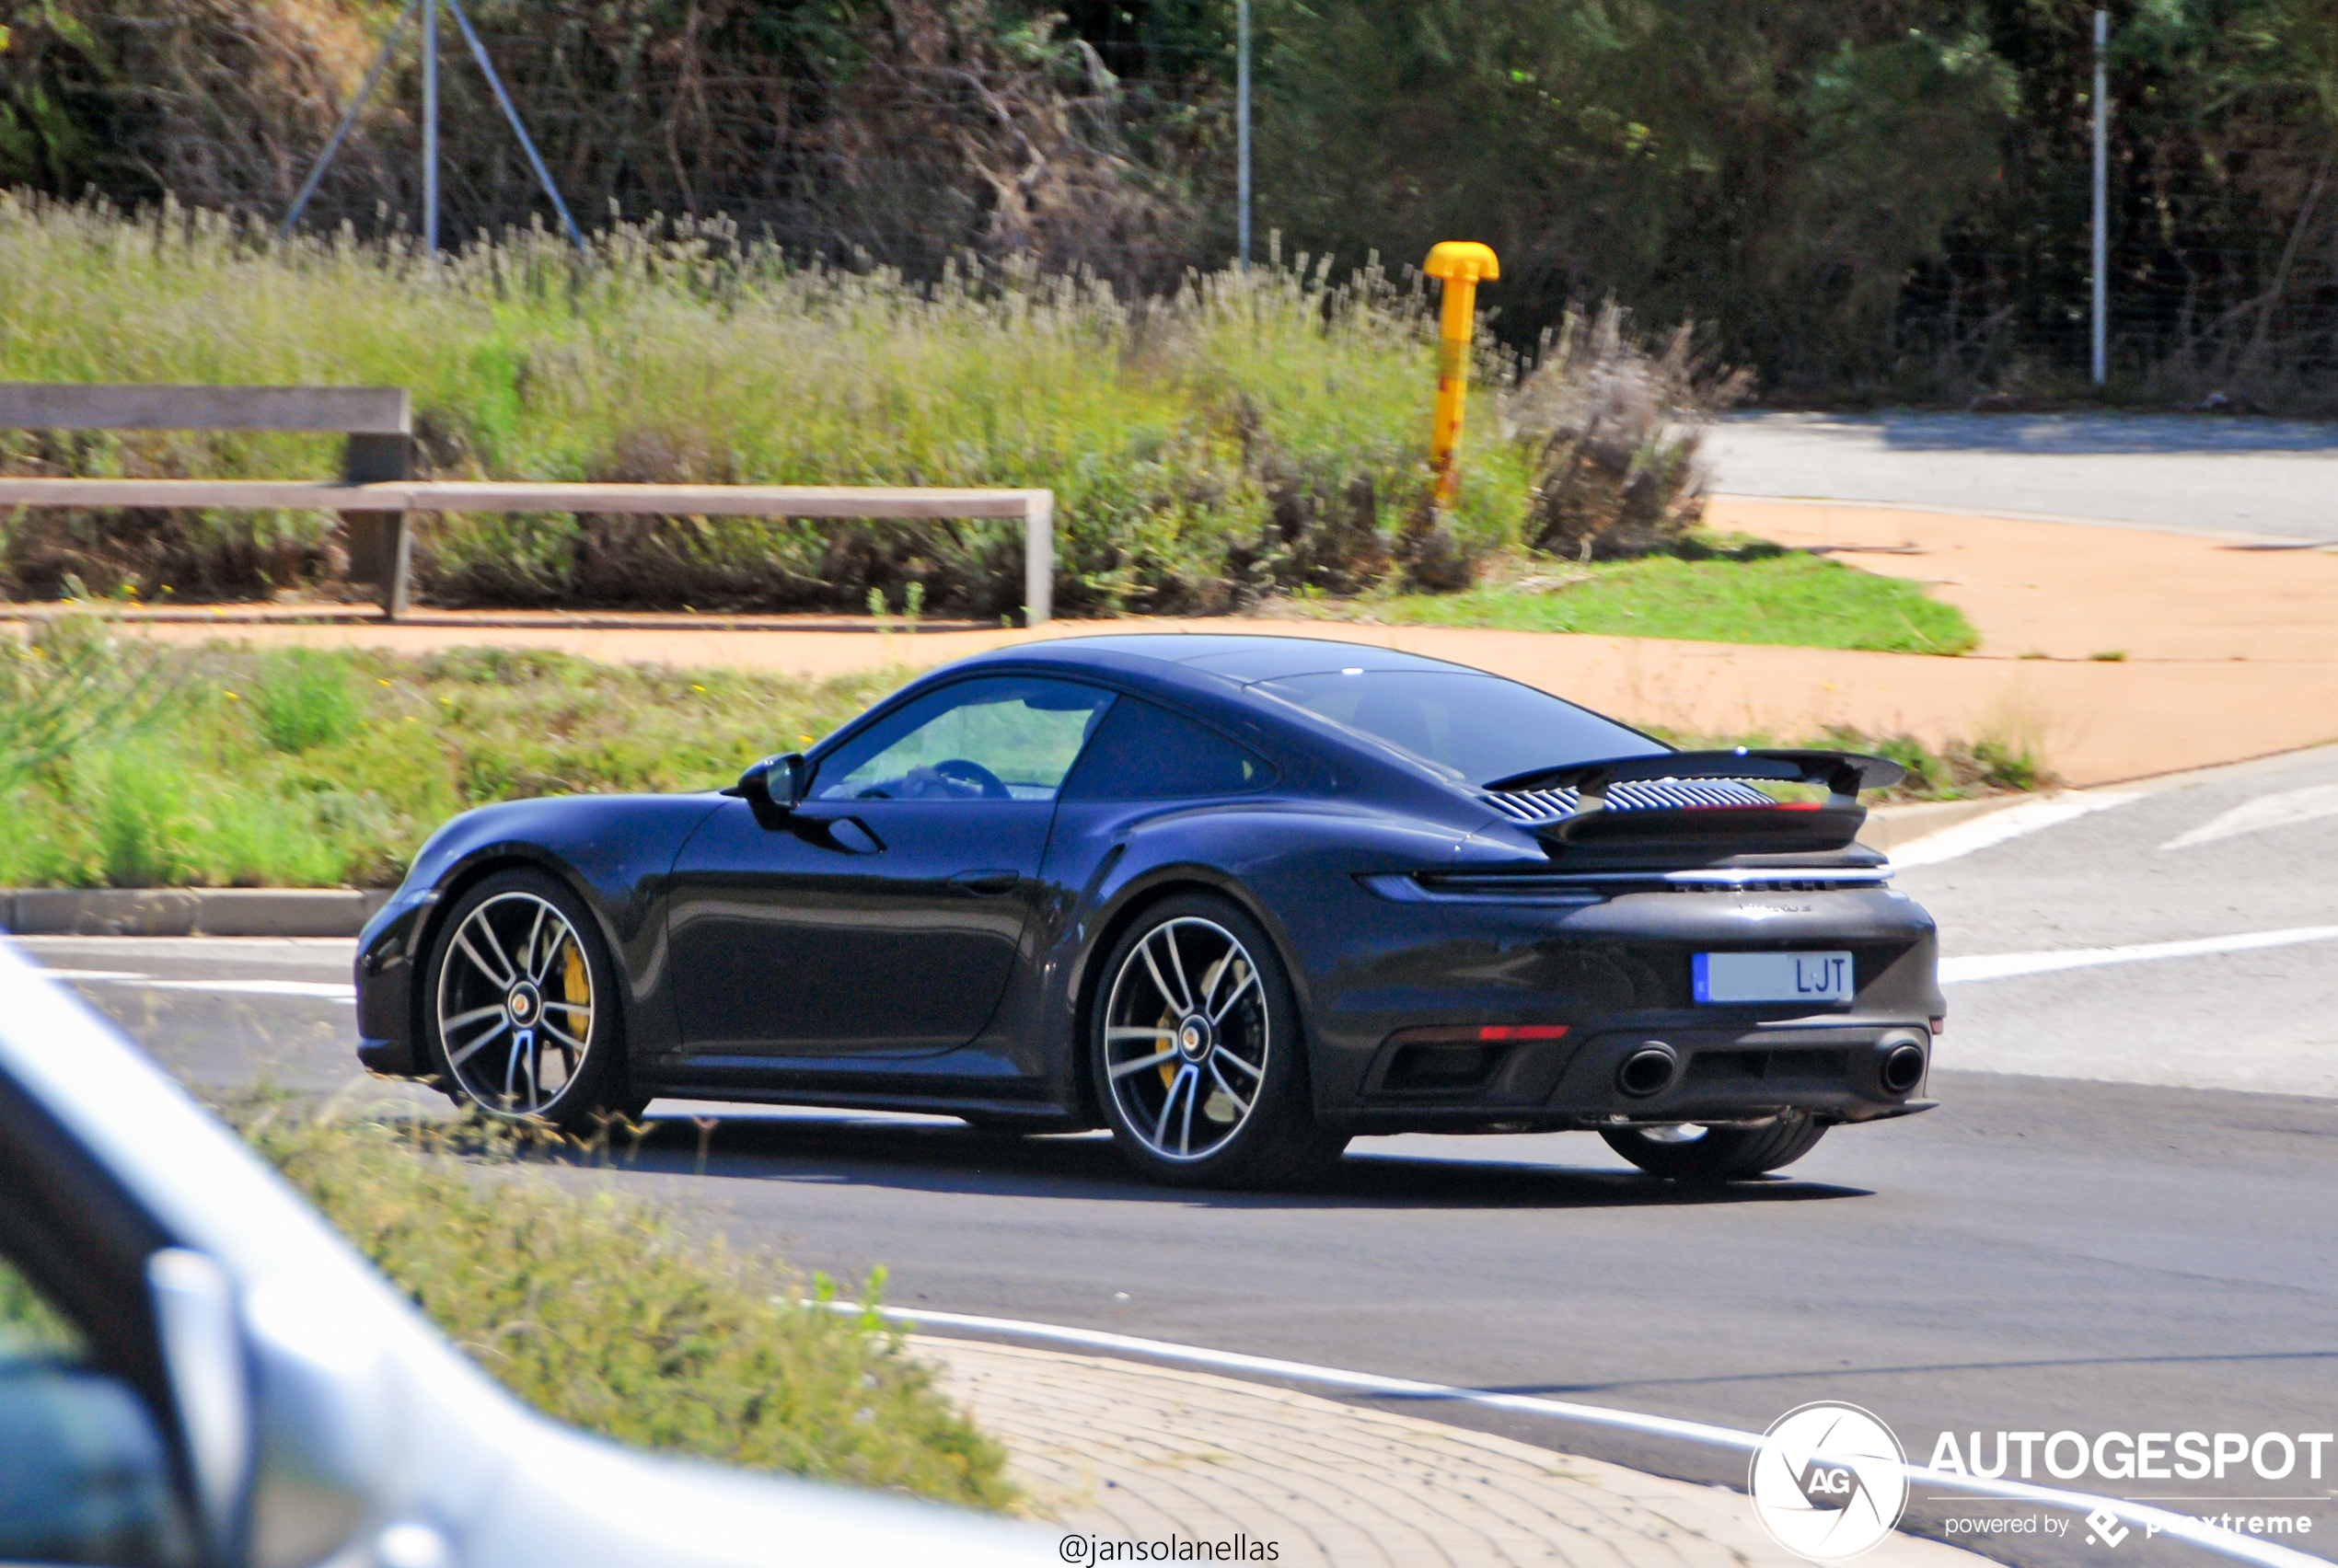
2246 1547
2012 823
323 989
2003 965
2283 810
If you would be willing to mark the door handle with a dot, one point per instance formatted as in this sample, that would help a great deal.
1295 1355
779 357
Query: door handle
985 885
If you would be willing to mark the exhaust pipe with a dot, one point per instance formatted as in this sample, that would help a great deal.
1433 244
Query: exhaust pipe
1902 1068
1648 1070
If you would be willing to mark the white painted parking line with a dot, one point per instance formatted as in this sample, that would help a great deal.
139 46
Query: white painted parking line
2005 965
95 975
2012 823
2283 809
2246 1549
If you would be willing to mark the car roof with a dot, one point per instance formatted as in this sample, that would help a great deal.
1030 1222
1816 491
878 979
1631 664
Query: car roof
1236 657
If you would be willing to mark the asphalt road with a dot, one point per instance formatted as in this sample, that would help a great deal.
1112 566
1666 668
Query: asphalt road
2197 473
2112 1244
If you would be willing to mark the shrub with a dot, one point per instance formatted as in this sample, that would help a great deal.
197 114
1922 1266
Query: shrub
1612 427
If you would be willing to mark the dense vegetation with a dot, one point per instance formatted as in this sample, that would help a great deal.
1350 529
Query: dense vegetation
1253 431
1865 195
1257 431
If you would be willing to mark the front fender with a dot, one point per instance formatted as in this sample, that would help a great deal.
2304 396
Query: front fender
615 851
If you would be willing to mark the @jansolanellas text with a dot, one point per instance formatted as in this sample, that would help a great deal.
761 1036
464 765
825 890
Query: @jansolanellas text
1083 1550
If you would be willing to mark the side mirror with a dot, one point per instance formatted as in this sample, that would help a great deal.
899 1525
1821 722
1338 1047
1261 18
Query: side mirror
775 783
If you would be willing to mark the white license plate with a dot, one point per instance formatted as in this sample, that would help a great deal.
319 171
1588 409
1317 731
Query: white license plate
1773 976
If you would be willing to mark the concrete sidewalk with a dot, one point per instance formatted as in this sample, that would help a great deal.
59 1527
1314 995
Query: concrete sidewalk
1127 1450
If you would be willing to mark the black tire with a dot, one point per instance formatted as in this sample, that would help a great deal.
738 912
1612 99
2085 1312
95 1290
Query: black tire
1721 1154
1274 1139
519 907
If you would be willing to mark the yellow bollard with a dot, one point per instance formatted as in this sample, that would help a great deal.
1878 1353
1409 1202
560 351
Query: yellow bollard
1461 263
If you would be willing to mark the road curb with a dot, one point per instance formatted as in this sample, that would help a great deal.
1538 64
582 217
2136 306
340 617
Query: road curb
187 911
1888 827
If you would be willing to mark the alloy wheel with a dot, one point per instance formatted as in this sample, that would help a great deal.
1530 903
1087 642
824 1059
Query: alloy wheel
516 1004
1187 1038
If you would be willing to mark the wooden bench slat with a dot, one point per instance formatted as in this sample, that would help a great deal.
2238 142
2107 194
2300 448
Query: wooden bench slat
345 410
419 495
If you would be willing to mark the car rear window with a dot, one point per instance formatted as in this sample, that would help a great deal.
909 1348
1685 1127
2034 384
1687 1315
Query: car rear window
1469 727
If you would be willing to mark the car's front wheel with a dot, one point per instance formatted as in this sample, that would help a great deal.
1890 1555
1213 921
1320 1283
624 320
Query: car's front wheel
519 1005
1692 1153
1195 1042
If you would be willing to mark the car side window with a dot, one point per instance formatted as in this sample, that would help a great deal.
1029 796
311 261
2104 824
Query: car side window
997 738
1144 753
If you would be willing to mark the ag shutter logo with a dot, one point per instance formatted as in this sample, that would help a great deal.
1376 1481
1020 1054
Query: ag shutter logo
1829 1482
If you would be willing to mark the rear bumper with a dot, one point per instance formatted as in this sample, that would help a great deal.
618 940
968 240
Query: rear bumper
1832 1072
1616 974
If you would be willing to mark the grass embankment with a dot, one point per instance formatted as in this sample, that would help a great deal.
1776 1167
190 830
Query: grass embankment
1792 599
591 1307
303 768
300 768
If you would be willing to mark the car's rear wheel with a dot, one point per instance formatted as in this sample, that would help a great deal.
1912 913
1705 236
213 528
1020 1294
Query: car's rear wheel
1197 1054
1692 1153
519 1005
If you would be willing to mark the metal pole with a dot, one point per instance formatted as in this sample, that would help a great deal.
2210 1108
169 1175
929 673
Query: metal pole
2101 192
429 126
543 174
1241 126
348 120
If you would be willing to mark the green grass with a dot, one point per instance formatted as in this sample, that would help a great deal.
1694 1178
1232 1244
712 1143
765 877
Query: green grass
1798 600
301 769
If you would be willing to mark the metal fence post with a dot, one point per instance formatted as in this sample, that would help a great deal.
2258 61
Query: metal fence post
2102 196
1038 557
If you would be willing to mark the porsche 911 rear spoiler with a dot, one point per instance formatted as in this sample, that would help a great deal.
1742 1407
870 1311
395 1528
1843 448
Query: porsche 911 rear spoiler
1571 805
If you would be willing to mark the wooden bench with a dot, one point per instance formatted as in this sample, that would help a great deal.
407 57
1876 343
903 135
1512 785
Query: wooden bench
378 421
373 496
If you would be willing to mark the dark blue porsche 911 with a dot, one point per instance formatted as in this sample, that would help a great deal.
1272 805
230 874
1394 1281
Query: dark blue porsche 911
1237 898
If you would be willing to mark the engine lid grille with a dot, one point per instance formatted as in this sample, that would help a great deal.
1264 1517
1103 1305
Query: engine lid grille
1671 794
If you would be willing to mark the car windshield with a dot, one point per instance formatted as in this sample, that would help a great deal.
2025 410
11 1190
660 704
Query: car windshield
1463 726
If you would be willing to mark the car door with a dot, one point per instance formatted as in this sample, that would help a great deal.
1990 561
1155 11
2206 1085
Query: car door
885 913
